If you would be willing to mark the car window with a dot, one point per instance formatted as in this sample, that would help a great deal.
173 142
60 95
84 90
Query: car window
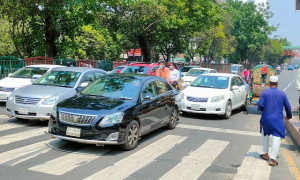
162 87
240 81
154 69
98 74
59 78
195 72
136 69
234 82
149 90
213 71
88 78
28 72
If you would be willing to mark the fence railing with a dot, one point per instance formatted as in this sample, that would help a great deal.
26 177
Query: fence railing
9 64
38 60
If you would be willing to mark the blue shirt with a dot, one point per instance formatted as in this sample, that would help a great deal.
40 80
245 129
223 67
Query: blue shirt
271 103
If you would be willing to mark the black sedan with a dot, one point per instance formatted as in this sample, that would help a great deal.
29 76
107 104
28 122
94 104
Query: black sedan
116 109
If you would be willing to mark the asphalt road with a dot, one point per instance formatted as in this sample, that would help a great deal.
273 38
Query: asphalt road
200 147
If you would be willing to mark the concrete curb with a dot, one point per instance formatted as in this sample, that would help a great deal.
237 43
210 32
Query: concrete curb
293 126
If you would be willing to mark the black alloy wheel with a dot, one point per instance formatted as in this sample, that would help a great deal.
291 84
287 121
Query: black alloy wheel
173 118
228 110
131 136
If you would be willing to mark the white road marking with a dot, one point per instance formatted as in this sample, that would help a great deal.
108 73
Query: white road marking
21 136
22 154
64 164
127 166
253 167
193 165
4 116
231 131
287 86
4 127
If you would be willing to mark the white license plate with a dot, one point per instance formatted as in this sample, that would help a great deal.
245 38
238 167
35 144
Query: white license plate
23 110
195 107
3 96
73 132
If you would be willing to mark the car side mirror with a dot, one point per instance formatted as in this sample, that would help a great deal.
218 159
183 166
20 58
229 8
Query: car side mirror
84 84
148 97
10 74
35 77
235 87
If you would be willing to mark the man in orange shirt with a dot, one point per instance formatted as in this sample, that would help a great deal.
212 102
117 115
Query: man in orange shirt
163 71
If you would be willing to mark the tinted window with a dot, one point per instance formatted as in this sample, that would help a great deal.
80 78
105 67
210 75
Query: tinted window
186 69
59 78
219 82
136 69
113 87
149 90
28 72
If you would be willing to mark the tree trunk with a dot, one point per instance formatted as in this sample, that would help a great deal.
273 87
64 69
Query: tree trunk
146 49
51 50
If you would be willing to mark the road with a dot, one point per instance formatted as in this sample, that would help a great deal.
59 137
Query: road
200 147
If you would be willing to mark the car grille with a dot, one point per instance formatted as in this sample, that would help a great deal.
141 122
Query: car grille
76 118
196 99
26 100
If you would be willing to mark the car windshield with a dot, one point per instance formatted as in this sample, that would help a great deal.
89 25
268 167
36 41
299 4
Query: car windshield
234 68
117 69
217 82
125 88
195 72
28 72
186 69
59 78
136 69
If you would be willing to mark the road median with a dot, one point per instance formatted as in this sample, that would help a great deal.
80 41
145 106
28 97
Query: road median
293 126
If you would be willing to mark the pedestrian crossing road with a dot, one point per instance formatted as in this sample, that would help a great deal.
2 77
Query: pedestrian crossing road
198 148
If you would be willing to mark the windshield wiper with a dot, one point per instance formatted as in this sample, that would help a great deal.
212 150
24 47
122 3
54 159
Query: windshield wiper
126 98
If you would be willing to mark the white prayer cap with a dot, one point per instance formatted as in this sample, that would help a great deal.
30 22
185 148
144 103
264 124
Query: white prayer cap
274 79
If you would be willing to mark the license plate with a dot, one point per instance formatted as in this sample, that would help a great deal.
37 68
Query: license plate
3 96
195 107
73 132
23 111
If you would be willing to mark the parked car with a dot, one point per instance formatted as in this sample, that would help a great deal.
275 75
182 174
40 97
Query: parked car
193 73
37 100
185 69
141 68
22 77
290 67
116 109
237 69
215 93
296 66
117 69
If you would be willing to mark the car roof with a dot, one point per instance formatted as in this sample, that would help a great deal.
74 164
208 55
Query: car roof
45 65
142 64
77 69
221 74
202 68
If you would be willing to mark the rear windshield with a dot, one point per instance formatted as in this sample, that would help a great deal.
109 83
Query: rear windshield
136 69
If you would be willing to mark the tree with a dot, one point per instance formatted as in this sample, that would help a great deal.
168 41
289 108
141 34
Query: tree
7 47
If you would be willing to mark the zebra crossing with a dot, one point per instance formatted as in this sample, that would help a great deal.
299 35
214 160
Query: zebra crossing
191 166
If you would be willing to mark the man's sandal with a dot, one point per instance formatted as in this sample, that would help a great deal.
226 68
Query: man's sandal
262 156
276 164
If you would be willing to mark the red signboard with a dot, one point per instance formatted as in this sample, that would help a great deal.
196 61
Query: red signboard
135 52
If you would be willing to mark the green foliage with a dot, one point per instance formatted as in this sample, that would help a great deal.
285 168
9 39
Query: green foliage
7 47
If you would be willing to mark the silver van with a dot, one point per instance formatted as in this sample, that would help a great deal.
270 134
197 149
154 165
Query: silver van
237 69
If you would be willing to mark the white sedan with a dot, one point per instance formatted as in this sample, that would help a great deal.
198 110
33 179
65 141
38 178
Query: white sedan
214 93
193 73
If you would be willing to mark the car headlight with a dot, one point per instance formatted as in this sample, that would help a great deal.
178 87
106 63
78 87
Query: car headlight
11 96
217 98
8 89
112 119
50 100
54 111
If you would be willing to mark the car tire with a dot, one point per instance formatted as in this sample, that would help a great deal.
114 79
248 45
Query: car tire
244 107
173 118
184 113
228 110
131 136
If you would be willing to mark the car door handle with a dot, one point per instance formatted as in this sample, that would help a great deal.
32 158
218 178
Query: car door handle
158 102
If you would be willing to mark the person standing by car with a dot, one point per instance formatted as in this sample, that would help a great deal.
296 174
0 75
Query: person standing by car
246 74
174 75
163 71
271 103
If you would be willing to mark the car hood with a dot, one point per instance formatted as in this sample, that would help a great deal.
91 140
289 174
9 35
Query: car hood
40 91
14 82
82 104
189 78
203 92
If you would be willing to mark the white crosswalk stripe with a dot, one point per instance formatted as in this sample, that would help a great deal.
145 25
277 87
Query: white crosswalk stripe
22 154
193 165
11 126
139 159
253 167
64 164
21 136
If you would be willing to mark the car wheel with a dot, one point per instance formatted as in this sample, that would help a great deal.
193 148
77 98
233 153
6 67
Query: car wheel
131 136
173 118
228 110
245 105
184 113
